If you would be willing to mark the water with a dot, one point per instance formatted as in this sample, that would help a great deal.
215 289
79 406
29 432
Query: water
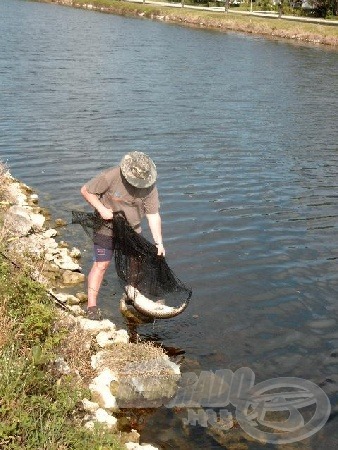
243 131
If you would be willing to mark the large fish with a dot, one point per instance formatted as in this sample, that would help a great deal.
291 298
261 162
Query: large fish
147 307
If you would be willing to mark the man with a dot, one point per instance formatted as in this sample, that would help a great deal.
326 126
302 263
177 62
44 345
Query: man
129 187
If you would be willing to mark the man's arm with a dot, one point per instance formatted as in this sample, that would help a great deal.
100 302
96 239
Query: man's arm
92 199
155 225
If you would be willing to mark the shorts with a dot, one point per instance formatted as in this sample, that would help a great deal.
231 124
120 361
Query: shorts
102 254
103 248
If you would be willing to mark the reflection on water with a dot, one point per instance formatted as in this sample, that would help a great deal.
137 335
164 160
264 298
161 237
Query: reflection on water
243 133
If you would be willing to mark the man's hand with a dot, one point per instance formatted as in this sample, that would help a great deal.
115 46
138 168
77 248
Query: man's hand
105 213
160 250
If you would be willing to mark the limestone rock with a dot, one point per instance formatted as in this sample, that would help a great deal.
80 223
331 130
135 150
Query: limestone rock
133 446
75 253
121 337
61 366
100 390
34 198
104 338
51 232
95 326
89 406
103 417
76 310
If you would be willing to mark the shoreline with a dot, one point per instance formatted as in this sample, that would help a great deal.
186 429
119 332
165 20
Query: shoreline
114 372
310 32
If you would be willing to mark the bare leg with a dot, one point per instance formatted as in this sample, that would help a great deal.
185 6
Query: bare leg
95 278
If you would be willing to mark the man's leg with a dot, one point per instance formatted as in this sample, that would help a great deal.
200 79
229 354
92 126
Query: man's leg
95 278
103 256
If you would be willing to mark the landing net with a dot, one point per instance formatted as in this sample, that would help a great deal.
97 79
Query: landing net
137 264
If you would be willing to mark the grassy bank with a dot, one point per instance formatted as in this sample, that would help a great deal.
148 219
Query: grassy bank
37 409
268 27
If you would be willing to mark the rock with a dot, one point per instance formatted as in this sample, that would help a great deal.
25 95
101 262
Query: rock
121 337
104 338
61 366
49 257
95 326
72 300
75 253
89 406
90 425
83 298
103 417
18 220
65 262
34 198
61 297
134 446
132 437
70 277
51 232
60 223
100 390
76 310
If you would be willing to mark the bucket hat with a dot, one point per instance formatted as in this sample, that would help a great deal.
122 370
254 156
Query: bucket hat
138 169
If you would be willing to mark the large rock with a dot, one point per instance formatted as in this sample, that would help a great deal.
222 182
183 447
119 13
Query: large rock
21 220
142 384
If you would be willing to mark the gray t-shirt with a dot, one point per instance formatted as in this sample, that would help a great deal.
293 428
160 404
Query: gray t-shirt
117 194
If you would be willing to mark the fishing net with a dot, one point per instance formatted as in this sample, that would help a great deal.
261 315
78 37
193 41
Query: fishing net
148 280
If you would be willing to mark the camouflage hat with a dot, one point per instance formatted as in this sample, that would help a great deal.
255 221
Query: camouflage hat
138 169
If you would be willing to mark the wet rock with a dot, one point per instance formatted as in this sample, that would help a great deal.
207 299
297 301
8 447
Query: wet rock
72 300
70 277
83 298
60 223
132 437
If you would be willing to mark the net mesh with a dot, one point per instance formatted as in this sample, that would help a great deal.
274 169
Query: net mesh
136 261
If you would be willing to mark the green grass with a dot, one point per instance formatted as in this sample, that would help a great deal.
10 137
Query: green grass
37 410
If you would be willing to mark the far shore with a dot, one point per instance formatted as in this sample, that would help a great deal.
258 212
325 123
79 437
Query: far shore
313 31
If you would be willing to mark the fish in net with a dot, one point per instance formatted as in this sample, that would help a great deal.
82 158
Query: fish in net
149 283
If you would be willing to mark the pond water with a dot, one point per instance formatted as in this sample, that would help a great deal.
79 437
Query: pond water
244 134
